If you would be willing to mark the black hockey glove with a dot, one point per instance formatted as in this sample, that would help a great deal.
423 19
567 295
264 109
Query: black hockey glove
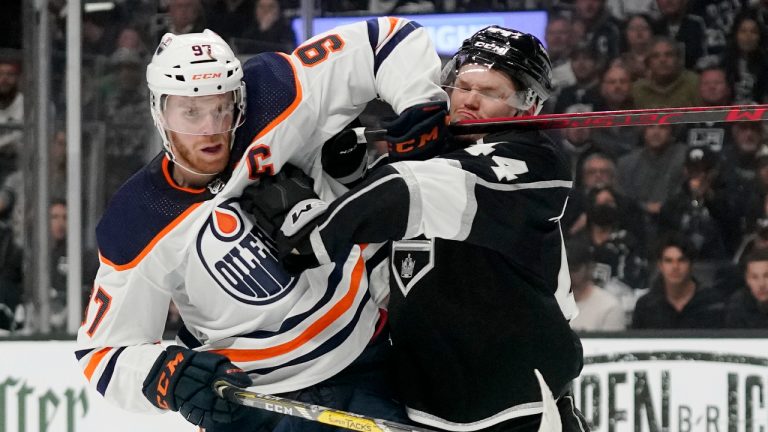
293 239
419 133
182 380
345 156
271 197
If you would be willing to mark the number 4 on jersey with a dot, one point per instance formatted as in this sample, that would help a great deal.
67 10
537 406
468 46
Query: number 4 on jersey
506 168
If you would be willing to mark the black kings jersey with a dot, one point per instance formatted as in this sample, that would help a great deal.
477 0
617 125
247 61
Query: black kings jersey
479 284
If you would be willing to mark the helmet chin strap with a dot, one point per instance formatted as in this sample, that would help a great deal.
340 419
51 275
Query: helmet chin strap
172 158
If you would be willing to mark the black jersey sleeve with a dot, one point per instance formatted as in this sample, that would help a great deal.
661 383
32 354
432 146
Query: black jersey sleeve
495 195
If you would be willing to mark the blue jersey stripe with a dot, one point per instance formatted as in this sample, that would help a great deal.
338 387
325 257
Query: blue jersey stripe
292 322
387 49
106 376
327 346
373 33
82 353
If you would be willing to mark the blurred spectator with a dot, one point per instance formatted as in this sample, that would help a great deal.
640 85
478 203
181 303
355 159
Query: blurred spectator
583 95
130 39
386 7
57 183
601 29
700 211
13 189
756 238
330 7
740 160
184 16
668 83
598 310
624 9
229 18
690 30
595 170
269 28
638 35
560 41
57 214
718 17
11 115
598 171
714 91
760 8
615 95
99 34
577 144
128 131
11 25
59 269
756 193
676 300
123 97
11 288
745 60
653 172
617 254
748 307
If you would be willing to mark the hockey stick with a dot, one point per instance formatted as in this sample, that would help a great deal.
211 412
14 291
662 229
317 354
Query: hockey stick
602 119
310 412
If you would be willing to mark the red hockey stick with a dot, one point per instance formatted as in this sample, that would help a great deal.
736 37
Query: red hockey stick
602 119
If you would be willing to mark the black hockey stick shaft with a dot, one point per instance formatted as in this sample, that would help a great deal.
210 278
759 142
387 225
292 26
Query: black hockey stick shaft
316 413
603 119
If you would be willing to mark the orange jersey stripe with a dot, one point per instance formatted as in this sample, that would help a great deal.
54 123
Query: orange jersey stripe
145 251
288 110
169 179
343 305
93 363
392 24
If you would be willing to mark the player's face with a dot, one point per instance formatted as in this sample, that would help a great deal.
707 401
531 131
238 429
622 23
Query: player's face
757 280
675 268
481 93
200 128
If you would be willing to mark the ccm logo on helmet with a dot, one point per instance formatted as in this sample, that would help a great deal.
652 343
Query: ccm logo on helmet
492 47
206 76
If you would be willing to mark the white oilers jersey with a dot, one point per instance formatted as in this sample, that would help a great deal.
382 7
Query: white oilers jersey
160 243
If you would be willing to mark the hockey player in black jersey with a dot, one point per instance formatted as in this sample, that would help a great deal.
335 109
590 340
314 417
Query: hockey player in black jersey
478 277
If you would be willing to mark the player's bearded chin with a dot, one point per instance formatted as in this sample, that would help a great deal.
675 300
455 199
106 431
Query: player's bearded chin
186 147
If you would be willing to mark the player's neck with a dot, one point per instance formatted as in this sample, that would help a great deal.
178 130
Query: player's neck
186 179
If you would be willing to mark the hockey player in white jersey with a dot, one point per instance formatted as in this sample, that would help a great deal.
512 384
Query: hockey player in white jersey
479 284
176 231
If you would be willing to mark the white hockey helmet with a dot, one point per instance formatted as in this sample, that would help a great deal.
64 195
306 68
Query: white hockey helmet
195 64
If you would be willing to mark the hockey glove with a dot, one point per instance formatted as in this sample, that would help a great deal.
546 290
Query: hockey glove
271 197
419 133
294 239
345 156
182 380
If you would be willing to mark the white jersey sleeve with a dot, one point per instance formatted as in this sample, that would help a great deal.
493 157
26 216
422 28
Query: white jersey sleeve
312 94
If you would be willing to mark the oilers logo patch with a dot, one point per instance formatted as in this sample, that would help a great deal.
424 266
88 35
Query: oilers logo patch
241 258
411 260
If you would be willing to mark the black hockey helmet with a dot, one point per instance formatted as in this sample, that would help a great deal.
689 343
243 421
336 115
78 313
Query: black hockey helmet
520 55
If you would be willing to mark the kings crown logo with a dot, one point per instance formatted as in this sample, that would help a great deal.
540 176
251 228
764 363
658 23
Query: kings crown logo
406 271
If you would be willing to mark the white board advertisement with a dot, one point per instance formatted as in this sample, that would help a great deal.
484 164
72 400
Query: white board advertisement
627 385
674 385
